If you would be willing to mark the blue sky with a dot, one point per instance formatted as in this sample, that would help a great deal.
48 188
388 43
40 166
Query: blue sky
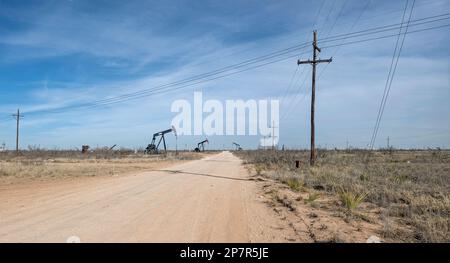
61 53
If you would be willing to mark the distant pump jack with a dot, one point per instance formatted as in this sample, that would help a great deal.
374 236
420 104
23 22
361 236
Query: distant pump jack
201 146
153 148
234 117
237 146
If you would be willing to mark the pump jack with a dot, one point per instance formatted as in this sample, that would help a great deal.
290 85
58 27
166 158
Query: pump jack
154 149
238 147
201 146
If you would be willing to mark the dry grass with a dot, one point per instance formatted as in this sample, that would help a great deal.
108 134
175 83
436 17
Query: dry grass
351 200
45 165
294 183
412 187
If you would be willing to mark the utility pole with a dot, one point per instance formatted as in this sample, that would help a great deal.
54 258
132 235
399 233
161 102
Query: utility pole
388 146
314 63
264 147
273 135
17 116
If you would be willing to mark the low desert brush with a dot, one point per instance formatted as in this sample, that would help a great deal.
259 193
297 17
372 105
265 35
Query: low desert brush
294 183
258 169
351 200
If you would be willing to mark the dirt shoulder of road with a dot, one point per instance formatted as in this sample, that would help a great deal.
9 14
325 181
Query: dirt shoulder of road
319 217
312 216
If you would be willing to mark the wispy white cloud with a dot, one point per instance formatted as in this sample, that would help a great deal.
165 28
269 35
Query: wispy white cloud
133 39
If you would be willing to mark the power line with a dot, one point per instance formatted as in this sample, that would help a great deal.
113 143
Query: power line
288 112
296 92
384 13
291 82
159 91
90 106
188 80
383 29
392 77
337 17
359 18
356 42
213 74
385 26
371 39
318 13
151 92
389 76
387 80
300 88
351 28
5 119
387 36
296 70
328 15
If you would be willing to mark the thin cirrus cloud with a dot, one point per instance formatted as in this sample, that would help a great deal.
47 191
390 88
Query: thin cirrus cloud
81 51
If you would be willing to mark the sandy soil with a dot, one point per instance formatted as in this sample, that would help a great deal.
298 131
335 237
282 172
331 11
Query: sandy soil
323 220
208 200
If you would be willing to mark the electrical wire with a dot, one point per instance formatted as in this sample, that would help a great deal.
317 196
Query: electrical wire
383 103
389 76
200 78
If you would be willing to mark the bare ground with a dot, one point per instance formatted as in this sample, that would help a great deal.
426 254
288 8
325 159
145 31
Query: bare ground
316 217
208 200
215 199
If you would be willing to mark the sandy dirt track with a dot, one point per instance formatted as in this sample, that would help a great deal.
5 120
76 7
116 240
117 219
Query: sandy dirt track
208 200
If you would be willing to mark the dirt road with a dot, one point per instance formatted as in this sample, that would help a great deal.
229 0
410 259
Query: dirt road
208 200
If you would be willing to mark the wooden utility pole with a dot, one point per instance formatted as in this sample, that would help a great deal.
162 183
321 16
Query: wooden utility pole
314 62
17 116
